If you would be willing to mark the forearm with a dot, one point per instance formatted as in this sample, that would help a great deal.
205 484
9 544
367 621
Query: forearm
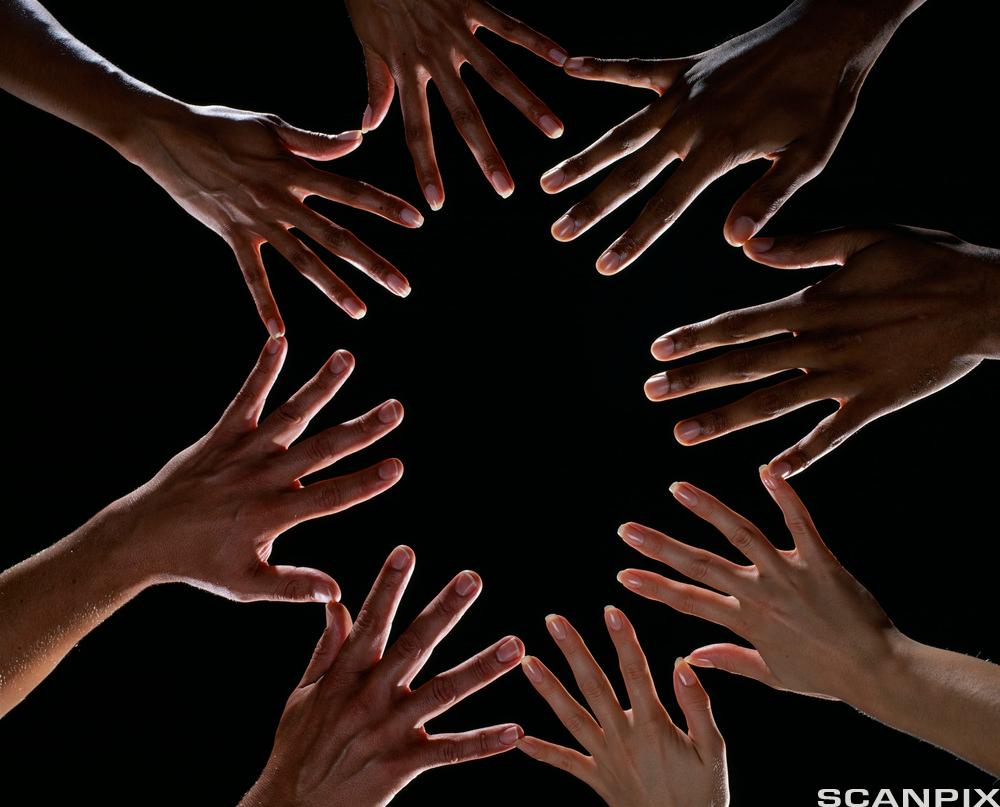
949 699
50 601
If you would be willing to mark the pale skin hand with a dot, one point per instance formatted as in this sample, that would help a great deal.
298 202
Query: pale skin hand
637 757
910 313
242 174
783 92
409 43
815 630
209 518
353 730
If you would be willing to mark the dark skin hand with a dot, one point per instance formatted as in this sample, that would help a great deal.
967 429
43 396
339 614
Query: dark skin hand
910 312
783 92
409 43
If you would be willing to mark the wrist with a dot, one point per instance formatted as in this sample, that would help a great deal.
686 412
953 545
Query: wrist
987 326
268 792
134 134
885 681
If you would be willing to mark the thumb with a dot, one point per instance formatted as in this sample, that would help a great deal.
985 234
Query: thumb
381 89
289 584
805 251
338 628
317 145
733 659
650 74
697 708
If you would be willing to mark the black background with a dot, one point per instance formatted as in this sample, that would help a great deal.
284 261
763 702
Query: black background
527 438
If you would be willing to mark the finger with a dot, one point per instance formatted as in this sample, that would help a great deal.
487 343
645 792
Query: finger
338 628
242 414
520 34
650 74
420 140
344 244
502 79
445 690
366 643
639 684
469 122
317 145
733 327
309 265
566 759
696 564
283 426
342 492
789 172
286 584
332 445
734 659
590 678
410 652
740 532
252 266
577 720
451 749
797 518
732 367
381 89
757 407
804 251
698 170
686 599
828 435
360 195
697 709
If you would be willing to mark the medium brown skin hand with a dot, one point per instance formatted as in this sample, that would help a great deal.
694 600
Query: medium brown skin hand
637 757
910 313
353 730
409 43
783 92
814 629
209 519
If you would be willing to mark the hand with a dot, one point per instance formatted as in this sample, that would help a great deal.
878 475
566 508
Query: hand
411 43
242 175
211 516
638 757
814 628
782 92
353 730
910 312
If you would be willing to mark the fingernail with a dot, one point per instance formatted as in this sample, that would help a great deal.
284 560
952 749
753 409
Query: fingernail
782 470
657 386
466 584
684 494
550 126
338 363
626 532
354 308
411 217
688 430
399 285
349 137
758 245
629 580
433 196
564 227
400 558
578 64
663 347
390 469
502 184
609 262
743 228
553 179
273 328
700 662
390 411
322 594
273 344
531 668
558 56
509 650
366 119
510 736
766 478
683 672
614 617
556 627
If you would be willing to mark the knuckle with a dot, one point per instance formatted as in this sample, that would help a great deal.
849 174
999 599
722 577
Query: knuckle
742 537
415 135
634 671
717 422
332 497
585 210
334 237
368 621
632 177
410 645
448 752
289 414
771 403
699 569
686 603
483 669
443 689
627 245
741 365
733 324
685 338
574 724
592 690
464 119
663 209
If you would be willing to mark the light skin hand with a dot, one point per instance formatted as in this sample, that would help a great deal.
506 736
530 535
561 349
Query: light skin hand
409 43
353 731
209 518
814 629
910 313
636 757
783 92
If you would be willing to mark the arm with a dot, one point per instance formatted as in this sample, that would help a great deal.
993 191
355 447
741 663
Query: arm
815 630
783 92
242 174
209 518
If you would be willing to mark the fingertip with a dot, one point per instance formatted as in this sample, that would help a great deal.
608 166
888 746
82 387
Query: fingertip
434 195
781 468
684 673
340 362
411 217
577 65
663 348
609 263
390 470
401 557
531 668
684 493
551 126
557 56
613 618
740 230
509 736
757 246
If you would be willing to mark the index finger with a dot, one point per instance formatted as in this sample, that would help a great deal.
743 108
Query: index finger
517 32
797 518
639 684
361 195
